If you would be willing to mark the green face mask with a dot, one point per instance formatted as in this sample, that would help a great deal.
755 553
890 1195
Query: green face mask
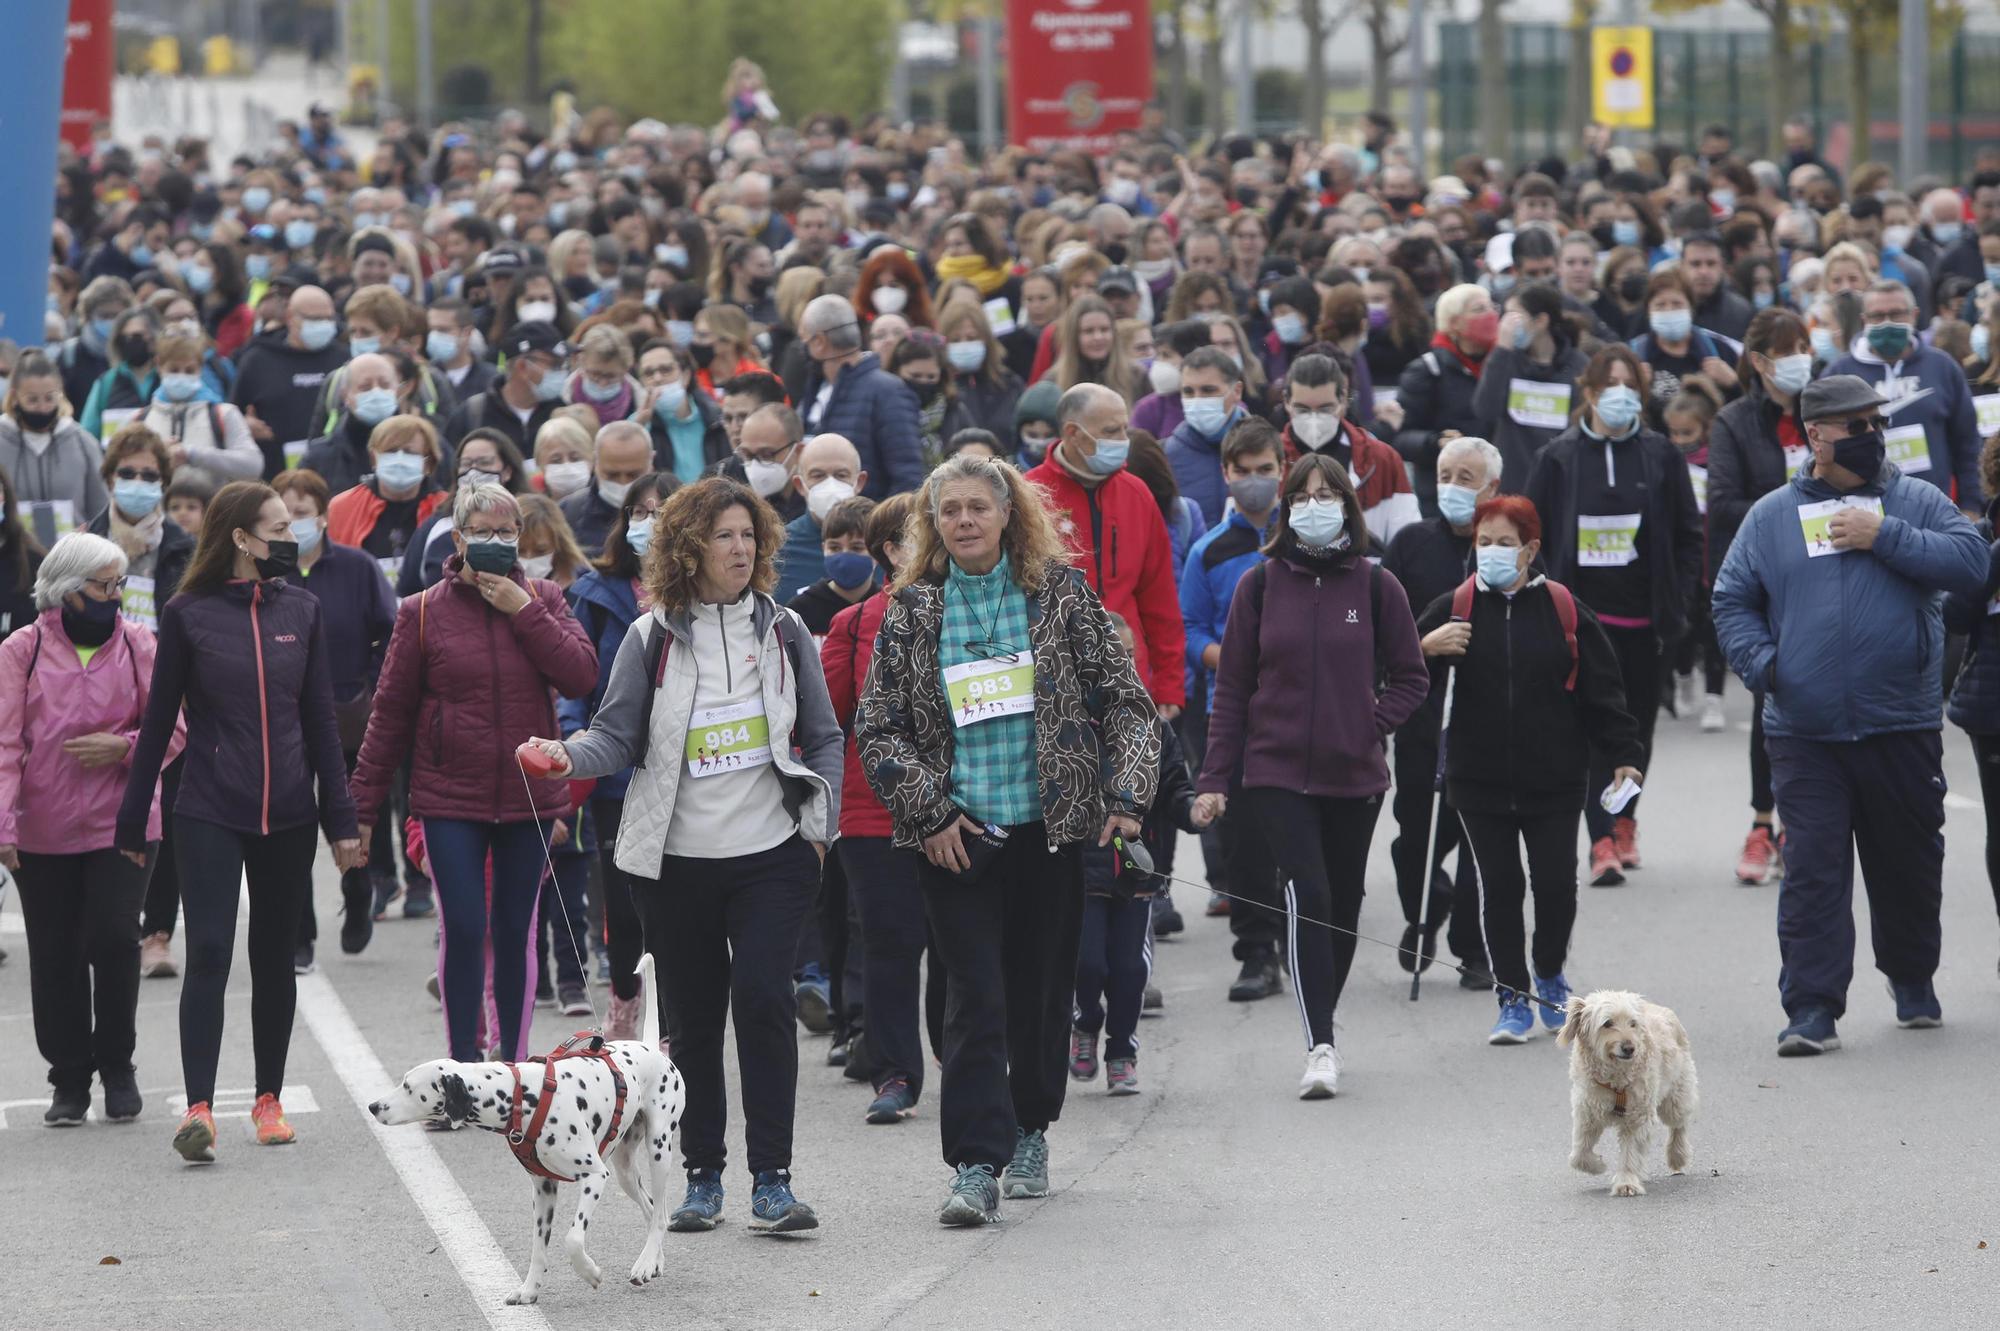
1889 341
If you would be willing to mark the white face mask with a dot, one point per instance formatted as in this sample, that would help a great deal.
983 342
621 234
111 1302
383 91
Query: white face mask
538 566
888 300
766 478
536 311
565 478
822 497
613 492
1165 377
1314 428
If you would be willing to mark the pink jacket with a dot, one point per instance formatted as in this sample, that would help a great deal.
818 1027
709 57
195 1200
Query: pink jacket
50 804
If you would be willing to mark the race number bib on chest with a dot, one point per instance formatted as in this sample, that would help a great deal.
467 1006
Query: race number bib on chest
1698 478
1987 405
1540 405
1609 540
981 690
1814 519
1908 448
135 601
728 739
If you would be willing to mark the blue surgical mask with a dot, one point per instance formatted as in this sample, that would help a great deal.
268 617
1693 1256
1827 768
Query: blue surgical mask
364 346
1318 523
199 277
1671 325
680 332
1456 503
1208 415
103 329
1823 344
179 387
1993 273
257 267
1790 374
639 535
256 199
1617 408
1110 455
965 357
597 392
300 234
307 531
1498 565
142 254
1524 336
136 499
441 346
674 256
399 471
1946 233
668 403
848 569
1624 232
315 334
372 406
1290 328
550 386
1982 342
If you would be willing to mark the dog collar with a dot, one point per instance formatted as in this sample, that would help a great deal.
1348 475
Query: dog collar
521 1138
1617 1095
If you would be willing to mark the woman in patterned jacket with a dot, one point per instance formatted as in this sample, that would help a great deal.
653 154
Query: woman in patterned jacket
995 675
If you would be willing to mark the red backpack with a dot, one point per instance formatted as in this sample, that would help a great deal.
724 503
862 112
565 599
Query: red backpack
1461 608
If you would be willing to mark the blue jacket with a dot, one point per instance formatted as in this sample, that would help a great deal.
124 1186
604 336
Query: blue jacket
1197 464
801 563
1951 423
359 613
606 606
1975 698
1849 644
877 413
1216 562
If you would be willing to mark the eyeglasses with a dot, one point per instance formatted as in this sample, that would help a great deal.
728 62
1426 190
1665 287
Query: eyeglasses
109 588
508 534
775 456
135 474
1903 315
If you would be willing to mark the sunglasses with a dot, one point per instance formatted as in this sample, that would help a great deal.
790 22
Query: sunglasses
1866 425
134 474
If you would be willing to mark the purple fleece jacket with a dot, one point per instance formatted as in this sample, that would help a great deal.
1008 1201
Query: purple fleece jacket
1295 703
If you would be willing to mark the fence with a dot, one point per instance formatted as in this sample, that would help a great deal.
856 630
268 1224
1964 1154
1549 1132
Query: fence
1703 77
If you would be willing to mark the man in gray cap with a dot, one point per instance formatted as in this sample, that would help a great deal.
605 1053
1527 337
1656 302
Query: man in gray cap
1815 607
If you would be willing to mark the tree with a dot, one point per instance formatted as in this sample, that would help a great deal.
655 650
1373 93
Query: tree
1319 25
1175 14
1386 40
1495 113
1213 33
1576 101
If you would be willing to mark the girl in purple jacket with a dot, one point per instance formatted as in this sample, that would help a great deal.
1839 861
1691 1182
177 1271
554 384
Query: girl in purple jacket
1320 663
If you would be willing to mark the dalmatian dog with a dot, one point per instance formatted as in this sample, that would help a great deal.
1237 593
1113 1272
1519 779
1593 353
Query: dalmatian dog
644 1158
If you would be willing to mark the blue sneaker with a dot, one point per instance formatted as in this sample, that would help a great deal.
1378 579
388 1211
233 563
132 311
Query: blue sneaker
1554 990
1917 1006
815 1002
974 1199
1517 1022
1811 1032
894 1102
701 1210
774 1210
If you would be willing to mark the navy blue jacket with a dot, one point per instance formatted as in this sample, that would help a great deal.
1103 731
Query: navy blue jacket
1975 698
1197 464
605 605
590 518
1950 421
877 413
801 563
359 611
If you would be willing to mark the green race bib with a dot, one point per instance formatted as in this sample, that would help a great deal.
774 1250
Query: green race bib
728 739
1609 540
981 690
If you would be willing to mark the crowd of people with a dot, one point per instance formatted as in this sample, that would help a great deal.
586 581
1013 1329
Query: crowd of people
892 551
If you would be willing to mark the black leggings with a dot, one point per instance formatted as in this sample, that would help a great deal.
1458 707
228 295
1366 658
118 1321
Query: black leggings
1638 653
82 913
215 862
1700 641
1321 846
163 890
1986 750
1497 840
624 937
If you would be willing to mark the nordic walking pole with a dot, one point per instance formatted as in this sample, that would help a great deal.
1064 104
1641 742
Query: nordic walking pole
1437 837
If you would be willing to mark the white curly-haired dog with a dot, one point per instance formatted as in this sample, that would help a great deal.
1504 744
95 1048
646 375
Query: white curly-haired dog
566 1145
1629 1063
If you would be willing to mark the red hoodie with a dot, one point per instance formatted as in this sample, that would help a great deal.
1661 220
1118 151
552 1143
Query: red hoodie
844 656
1117 537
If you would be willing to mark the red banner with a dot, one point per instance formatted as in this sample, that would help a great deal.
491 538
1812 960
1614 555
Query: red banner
91 55
1078 71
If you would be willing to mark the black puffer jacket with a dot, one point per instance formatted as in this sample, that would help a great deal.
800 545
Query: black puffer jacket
1436 393
1745 463
1975 697
1519 443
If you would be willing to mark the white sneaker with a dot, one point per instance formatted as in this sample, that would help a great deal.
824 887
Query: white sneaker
1322 1077
1712 719
1683 694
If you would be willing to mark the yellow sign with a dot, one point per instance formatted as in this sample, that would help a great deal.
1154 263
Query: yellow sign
1621 77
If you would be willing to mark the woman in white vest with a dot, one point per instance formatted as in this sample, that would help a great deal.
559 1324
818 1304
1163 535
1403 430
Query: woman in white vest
717 702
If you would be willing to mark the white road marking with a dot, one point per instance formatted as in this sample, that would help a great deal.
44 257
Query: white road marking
488 1275
1954 800
299 1099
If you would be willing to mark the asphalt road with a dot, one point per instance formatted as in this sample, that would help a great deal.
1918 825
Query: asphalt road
1856 1190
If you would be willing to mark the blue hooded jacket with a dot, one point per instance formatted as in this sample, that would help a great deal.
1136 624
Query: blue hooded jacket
1950 421
1849 644
605 605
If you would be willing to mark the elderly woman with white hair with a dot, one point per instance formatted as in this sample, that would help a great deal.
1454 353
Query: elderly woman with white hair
1437 388
472 668
73 688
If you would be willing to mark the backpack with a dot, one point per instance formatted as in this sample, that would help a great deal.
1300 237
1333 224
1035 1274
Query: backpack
660 642
1461 608
1374 605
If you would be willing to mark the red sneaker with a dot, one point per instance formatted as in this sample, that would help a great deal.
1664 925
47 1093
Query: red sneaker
194 1139
1625 836
1604 865
1754 868
269 1116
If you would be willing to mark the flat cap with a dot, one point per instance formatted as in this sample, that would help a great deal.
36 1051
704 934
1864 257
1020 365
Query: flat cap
1838 395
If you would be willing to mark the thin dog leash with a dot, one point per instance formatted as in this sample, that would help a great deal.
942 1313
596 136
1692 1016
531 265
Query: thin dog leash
549 867
1142 859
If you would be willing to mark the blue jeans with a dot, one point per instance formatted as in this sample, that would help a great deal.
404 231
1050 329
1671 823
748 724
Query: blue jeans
458 854
1114 958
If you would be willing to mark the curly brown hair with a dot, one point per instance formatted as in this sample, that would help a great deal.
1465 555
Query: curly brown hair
681 531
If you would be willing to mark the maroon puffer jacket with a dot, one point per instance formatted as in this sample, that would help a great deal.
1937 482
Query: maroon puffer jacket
463 685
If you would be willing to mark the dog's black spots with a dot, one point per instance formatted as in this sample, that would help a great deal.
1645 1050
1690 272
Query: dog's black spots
582 1103
596 1124
552 1139
529 1098
572 1129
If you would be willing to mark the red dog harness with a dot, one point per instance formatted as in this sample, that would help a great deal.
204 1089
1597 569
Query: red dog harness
584 1044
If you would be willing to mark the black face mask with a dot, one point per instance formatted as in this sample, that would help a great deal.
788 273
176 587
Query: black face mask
135 350
1632 288
91 626
926 393
1116 252
283 559
36 422
1601 236
703 356
579 288
1861 454
757 286
1399 203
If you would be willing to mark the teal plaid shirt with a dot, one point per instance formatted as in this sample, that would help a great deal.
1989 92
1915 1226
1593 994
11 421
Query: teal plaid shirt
993 773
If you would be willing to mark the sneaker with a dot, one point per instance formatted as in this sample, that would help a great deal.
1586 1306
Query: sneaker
1121 1076
836 1054
815 1003
1811 1032
545 989
622 1023
1684 694
357 920
1322 1075
1258 979
1753 867
418 903
701 1210
431 988
1917 1006
1467 980
894 1101
1218 905
1082 1055
773 1209
1605 870
573 999
269 1116
1712 719
1166 920
385 892
302 960
1027 1174
974 1199
1516 1024
122 1101
603 968
1625 837
1154 1002
1554 993
859 1066
68 1107
194 1139
156 957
